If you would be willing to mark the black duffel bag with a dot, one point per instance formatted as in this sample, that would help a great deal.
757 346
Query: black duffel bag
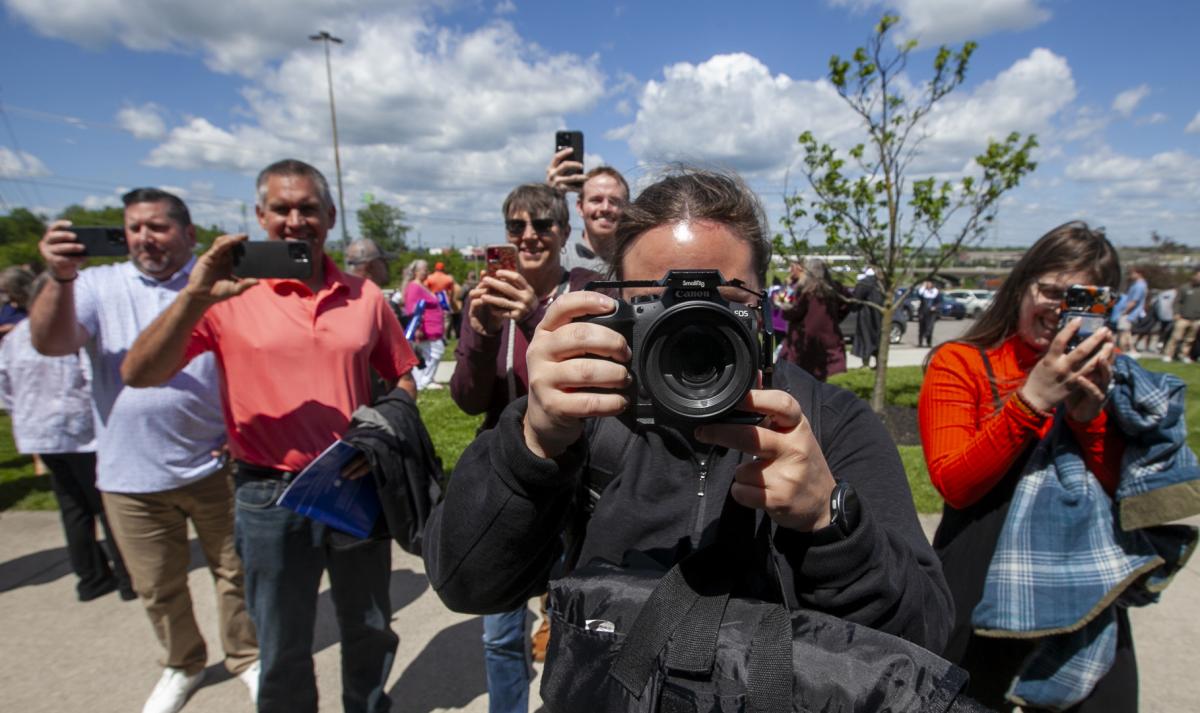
633 638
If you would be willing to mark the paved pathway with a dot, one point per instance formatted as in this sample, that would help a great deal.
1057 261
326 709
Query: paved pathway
61 655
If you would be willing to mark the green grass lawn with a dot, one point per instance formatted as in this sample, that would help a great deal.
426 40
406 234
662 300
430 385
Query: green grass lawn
452 430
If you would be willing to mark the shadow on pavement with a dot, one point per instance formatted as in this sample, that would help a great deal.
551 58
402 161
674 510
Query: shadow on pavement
447 674
405 587
12 491
35 568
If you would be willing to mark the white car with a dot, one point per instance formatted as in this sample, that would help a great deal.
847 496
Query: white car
976 301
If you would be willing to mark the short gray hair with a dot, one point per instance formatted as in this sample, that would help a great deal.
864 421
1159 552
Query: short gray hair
293 167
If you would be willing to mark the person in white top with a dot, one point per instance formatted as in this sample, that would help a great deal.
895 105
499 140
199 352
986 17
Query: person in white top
49 399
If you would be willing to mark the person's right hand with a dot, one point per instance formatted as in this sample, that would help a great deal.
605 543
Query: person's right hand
212 278
62 253
505 295
563 175
1061 375
567 362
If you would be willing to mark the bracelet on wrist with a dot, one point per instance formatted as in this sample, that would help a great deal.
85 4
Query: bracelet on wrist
1029 409
63 281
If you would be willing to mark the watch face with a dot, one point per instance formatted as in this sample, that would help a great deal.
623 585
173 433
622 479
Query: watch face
844 508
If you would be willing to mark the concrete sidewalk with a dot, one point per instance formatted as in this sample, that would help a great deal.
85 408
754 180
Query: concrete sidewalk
899 355
61 655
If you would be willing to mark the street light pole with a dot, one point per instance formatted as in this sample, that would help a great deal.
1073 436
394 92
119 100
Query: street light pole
325 38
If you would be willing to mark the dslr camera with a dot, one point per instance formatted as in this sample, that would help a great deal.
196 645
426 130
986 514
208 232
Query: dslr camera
695 353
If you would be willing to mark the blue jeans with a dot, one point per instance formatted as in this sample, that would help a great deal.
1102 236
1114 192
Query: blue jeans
505 659
284 555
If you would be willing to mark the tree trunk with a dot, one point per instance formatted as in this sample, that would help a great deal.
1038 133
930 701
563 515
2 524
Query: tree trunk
879 394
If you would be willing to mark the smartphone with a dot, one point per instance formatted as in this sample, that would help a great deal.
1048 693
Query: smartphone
101 241
282 259
1091 303
570 140
501 257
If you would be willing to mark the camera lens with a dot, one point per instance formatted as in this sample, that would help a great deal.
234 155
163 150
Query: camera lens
698 361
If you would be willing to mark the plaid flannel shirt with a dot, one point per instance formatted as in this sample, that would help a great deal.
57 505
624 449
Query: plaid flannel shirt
1062 562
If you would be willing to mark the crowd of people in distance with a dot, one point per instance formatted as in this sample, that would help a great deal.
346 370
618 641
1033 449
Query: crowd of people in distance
164 393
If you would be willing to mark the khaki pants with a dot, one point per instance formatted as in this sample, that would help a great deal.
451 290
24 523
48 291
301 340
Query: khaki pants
1184 331
152 534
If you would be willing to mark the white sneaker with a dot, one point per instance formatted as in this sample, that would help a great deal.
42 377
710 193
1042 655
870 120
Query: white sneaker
172 691
1185 360
1168 358
250 678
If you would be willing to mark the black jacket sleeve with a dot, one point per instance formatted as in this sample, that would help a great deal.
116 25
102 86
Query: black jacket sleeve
492 541
884 574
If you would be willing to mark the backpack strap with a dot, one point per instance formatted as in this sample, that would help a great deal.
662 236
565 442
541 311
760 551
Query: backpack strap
987 364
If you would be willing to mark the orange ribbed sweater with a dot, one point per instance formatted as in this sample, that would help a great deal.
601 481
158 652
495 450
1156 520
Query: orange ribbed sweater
969 446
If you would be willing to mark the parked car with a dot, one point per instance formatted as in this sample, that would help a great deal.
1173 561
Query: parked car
895 334
952 309
976 301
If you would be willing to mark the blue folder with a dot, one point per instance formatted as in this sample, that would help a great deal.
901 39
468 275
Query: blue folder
321 493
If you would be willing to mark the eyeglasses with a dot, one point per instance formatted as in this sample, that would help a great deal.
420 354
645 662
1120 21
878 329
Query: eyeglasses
516 226
1051 293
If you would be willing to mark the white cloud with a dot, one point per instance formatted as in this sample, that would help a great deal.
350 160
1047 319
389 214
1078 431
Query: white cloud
234 37
1156 118
1128 100
731 110
144 122
20 164
446 121
1193 126
1167 175
1028 97
505 7
934 22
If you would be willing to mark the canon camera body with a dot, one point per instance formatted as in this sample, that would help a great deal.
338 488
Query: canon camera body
696 354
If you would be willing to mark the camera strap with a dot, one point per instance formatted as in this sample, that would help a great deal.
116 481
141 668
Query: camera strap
510 369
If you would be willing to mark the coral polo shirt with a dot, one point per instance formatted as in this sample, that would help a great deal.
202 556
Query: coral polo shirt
294 365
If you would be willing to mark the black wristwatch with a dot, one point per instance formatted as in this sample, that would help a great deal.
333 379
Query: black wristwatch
844 508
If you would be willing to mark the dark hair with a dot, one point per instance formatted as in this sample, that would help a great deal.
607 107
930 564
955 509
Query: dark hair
177 210
538 199
1071 247
605 171
293 167
695 194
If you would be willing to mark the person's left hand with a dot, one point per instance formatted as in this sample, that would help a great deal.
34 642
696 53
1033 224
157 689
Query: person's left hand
357 467
1091 388
788 478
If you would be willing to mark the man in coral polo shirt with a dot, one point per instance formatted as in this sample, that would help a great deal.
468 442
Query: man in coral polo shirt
295 359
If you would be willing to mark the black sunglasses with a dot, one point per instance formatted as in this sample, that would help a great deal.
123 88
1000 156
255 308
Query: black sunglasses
516 226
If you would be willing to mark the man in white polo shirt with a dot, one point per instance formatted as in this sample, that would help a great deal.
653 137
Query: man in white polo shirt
160 460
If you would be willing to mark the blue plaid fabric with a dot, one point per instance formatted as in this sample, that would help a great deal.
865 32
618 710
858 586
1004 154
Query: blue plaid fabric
1063 562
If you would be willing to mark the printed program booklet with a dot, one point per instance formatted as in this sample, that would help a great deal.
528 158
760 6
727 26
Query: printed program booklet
320 492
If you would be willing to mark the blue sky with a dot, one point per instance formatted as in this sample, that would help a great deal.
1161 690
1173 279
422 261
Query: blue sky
445 105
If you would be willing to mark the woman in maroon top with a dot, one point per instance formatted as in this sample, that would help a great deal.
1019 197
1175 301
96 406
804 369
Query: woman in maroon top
814 312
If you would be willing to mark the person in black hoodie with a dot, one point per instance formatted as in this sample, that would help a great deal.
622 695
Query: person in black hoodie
494 540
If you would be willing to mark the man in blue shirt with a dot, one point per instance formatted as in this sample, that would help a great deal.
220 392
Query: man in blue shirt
160 460
1130 309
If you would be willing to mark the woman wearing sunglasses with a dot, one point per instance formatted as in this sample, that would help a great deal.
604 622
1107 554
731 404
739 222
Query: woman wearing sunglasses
503 311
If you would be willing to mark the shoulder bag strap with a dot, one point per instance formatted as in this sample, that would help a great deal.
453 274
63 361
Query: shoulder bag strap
987 364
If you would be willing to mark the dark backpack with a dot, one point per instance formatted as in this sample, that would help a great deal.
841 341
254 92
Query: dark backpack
633 638
637 638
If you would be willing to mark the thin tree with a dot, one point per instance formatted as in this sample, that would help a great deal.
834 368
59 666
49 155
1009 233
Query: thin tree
863 200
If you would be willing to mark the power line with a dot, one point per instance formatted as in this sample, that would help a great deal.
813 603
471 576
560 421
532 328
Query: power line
17 147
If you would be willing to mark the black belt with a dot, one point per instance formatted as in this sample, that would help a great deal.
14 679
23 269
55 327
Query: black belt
262 472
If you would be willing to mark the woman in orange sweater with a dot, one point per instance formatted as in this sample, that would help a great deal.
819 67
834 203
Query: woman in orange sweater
986 400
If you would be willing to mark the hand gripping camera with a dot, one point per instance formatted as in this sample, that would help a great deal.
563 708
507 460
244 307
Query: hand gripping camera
695 353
